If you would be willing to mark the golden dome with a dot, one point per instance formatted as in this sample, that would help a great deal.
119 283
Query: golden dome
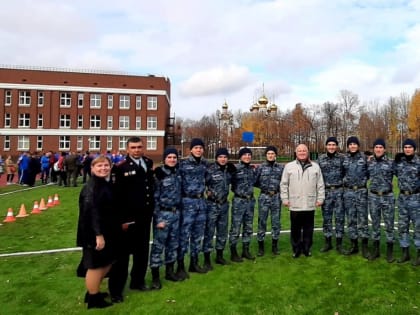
263 101
225 105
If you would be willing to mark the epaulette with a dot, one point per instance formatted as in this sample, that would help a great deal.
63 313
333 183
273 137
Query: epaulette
121 163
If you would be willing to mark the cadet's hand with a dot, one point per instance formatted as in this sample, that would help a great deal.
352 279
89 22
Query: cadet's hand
318 203
100 242
161 225
286 203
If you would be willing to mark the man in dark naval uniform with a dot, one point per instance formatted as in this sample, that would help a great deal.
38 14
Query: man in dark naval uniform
133 179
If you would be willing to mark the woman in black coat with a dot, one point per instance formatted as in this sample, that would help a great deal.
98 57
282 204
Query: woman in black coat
97 232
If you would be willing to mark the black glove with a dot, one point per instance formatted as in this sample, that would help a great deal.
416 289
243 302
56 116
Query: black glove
159 173
398 157
231 168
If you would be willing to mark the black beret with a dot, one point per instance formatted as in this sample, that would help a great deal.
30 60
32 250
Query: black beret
353 140
170 151
195 142
222 151
271 148
332 139
409 142
379 142
244 151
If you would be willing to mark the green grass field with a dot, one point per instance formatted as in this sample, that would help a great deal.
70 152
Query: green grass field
321 284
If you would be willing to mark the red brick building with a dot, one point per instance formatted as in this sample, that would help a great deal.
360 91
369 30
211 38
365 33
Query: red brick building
65 110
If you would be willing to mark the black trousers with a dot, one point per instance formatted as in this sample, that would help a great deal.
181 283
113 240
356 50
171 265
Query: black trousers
302 230
135 242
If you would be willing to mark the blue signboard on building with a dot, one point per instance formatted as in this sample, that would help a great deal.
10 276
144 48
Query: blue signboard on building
248 136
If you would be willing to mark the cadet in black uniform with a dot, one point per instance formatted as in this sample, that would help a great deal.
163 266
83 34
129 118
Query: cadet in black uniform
133 179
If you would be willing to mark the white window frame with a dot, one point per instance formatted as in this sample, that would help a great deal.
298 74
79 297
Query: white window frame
39 142
79 143
65 99
138 102
7 98
124 101
41 98
65 121
64 143
109 122
152 103
6 143
94 143
7 120
109 143
79 121
40 121
110 101
23 143
151 123
24 98
151 143
122 142
95 100
138 122
95 121
124 122
80 97
24 120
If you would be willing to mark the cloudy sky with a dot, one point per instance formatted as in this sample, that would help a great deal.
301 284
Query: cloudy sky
299 50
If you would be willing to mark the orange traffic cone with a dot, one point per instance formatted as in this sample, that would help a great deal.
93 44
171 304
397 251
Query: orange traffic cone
56 200
22 212
42 205
10 217
50 203
35 209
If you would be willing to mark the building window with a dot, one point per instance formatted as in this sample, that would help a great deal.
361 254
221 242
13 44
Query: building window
65 99
94 143
24 121
138 102
109 122
6 144
79 143
39 141
80 121
23 143
7 120
152 102
138 122
8 98
95 121
40 121
95 101
124 122
110 101
65 121
40 99
24 98
109 143
151 143
122 143
64 142
151 123
80 100
124 102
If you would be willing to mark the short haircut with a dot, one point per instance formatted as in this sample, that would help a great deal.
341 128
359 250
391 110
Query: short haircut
101 158
134 140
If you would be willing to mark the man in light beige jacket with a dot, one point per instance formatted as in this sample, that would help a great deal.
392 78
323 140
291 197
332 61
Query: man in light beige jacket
302 190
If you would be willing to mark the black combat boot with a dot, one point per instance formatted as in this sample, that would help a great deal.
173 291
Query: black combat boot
219 257
365 249
417 261
195 267
156 285
405 255
245 252
260 248
389 252
354 249
169 272
97 301
376 253
327 246
275 247
207 262
339 245
104 294
234 254
181 274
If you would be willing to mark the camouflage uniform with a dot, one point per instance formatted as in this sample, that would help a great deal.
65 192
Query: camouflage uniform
381 197
268 176
333 172
408 173
194 206
355 200
167 209
243 203
218 181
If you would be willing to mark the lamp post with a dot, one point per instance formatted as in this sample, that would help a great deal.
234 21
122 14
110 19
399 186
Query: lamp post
182 147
